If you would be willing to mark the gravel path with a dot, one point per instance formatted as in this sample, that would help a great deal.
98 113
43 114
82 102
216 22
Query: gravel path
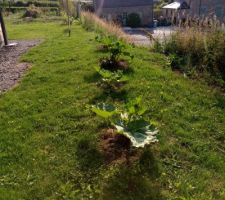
140 37
10 68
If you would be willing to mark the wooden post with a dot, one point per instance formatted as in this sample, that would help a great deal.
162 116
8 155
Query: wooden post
3 28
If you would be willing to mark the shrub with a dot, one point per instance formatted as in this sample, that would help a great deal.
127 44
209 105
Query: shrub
193 50
116 49
46 10
134 20
32 12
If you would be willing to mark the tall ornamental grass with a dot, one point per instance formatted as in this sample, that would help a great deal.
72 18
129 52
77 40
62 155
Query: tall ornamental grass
92 22
196 52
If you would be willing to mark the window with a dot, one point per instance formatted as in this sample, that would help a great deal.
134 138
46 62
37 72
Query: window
124 20
219 11
124 15
203 10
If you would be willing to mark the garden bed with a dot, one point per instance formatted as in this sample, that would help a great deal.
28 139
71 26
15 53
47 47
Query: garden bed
53 147
10 68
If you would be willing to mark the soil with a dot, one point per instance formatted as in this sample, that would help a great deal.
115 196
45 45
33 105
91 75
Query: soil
116 148
10 68
114 65
102 48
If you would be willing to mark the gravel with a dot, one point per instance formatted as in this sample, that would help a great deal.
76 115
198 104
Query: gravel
10 68
140 37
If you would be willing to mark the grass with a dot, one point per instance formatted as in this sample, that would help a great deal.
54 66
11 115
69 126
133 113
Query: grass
48 138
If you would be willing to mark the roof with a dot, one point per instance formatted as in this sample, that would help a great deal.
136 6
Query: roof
85 1
174 5
122 3
177 5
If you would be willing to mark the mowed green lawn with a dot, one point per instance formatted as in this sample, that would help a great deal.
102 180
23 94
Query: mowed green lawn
49 139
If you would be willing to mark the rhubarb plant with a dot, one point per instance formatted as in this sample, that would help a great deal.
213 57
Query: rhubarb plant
130 122
111 81
116 50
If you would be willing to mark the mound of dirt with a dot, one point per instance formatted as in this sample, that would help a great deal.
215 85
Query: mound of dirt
116 148
110 65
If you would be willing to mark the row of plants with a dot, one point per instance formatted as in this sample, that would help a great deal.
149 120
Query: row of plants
31 9
24 9
126 125
197 53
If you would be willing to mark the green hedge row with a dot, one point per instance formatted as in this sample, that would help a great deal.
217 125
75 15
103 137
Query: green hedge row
28 3
19 9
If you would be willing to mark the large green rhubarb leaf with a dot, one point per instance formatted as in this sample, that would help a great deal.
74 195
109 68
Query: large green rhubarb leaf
139 132
104 110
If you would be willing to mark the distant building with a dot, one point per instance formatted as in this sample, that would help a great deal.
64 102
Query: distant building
208 7
118 10
196 8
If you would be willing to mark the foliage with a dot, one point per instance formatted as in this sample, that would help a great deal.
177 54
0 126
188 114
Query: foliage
116 48
129 122
43 119
195 50
133 20
32 12
29 3
112 81
69 9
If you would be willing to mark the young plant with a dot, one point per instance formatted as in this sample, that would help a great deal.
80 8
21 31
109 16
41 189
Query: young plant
111 81
68 7
116 49
129 122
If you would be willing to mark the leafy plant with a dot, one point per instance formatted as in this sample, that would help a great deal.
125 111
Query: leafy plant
68 7
116 49
32 11
130 122
196 52
112 81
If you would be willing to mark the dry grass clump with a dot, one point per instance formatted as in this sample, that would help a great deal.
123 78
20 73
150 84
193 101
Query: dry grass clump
195 51
90 21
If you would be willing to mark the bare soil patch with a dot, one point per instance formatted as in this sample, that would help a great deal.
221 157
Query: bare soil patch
114 65
116 148
10 68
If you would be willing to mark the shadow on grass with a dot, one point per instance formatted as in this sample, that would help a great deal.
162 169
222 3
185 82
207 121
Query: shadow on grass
92 78
115 96
220 101
136 182
88 155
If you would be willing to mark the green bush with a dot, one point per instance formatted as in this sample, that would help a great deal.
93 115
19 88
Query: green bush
32 12
28 3
133 20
